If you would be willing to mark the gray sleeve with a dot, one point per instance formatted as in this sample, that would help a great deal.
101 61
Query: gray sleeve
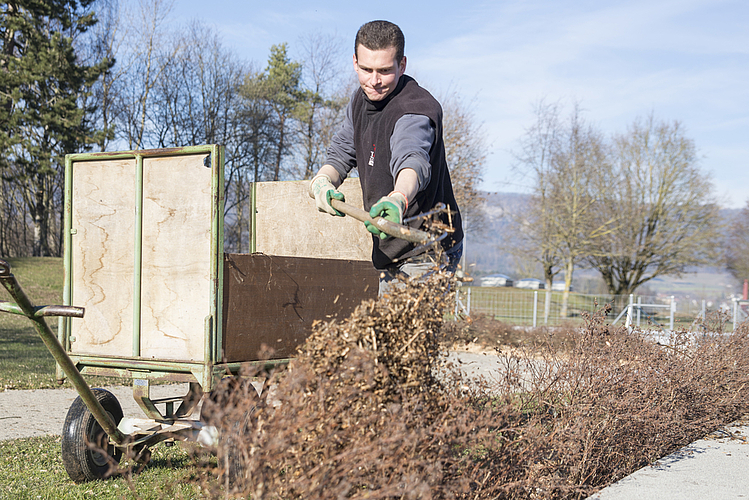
341 154
410 144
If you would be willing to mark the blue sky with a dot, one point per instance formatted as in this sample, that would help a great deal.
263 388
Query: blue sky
685 60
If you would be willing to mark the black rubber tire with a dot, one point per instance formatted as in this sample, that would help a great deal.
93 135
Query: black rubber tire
83 440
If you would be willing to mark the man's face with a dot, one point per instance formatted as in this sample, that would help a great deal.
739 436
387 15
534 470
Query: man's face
378 71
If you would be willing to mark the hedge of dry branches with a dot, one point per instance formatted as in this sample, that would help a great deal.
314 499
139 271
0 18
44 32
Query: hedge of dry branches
369 409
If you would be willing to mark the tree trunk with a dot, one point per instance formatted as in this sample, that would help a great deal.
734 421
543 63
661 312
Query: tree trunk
240 211
40 224
549 276
279 151
569 268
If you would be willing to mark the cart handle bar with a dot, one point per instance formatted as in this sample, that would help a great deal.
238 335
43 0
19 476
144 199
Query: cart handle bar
36 314
44 311
10 307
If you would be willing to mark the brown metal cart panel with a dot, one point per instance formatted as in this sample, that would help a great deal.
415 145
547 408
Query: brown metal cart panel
274 300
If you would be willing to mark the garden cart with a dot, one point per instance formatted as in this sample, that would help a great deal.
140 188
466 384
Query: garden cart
151 296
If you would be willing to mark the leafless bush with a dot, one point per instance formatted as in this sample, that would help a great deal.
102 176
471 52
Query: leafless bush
369 409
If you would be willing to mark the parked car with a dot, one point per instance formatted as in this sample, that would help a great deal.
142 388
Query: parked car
496 280
559 286
530 283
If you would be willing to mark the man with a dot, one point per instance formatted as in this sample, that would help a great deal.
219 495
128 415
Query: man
393 134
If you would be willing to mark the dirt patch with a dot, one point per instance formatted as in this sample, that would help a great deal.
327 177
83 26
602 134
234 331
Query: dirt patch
481 333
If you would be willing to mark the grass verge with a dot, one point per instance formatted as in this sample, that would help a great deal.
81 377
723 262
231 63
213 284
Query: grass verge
25 362
32 469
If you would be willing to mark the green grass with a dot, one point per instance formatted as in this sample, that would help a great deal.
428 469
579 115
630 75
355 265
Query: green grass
515 306
33 469
25 362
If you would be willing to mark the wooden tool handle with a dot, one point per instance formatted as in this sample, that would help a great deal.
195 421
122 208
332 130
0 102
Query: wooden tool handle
384 225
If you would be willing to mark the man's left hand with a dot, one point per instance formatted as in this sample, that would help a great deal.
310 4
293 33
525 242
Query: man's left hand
390 207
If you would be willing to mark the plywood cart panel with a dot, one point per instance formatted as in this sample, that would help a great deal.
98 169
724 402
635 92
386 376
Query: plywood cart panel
288 223
103 208
176 267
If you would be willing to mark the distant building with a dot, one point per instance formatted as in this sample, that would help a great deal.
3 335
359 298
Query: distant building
496 280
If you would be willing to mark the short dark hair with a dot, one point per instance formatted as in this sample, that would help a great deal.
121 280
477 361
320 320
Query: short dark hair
381 35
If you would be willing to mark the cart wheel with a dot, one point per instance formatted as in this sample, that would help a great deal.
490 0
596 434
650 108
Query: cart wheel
231 407
83 440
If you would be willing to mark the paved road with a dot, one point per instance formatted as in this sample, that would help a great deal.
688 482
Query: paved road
42 412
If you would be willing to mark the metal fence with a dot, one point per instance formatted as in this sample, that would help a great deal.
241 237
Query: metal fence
541 307
740 311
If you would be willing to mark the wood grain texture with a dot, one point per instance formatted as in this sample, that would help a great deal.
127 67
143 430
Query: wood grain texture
289 224
176 269
103 212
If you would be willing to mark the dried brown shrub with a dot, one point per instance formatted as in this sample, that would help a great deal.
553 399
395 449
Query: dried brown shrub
369 409
618 400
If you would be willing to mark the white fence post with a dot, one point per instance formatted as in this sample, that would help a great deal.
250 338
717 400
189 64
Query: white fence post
639 310
735 312
628 321
535 307
673 310
459 304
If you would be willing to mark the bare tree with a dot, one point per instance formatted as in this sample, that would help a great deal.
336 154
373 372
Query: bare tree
465 149
736 242
196 101
106 42
323 100
668 219
149 53
536 159
577 163
564 158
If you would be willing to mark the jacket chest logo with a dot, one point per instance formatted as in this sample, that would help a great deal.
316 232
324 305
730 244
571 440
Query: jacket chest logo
372 156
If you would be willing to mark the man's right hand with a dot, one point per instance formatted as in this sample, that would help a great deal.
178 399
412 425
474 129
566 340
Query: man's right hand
321 188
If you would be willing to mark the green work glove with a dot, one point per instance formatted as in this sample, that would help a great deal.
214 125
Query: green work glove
321 188
390 207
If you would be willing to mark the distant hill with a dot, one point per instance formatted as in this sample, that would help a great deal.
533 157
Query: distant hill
484 250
